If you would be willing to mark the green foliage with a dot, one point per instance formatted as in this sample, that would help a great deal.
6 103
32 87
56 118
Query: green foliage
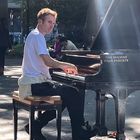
71 17
71 14
17 51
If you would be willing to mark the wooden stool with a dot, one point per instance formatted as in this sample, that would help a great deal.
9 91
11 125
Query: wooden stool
36 103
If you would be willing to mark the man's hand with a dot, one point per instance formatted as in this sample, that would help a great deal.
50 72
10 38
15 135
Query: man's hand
66 67
70 69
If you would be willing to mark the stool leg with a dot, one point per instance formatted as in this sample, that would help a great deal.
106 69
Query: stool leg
31 119
58 122
15 119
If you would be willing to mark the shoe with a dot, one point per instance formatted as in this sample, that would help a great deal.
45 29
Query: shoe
84 132
37 135
87 131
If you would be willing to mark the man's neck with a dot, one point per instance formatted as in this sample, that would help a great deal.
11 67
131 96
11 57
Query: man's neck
40 30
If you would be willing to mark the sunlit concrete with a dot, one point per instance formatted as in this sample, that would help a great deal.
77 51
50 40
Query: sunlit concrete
12 70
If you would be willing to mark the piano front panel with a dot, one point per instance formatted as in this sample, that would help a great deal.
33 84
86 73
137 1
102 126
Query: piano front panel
76 81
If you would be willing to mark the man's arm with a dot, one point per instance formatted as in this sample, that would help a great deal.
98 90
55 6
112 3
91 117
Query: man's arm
66 67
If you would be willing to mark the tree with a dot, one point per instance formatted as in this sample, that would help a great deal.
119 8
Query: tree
71 15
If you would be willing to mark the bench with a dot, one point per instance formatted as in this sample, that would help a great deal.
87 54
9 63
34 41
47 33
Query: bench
33 104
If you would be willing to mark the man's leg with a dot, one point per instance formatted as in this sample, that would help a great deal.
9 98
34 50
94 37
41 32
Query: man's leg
71 98
41 89
46 89
74 102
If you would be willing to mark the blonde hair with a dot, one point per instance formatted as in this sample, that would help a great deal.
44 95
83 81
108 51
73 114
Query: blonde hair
46 11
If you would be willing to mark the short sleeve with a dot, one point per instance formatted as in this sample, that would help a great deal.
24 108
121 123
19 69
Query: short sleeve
40 45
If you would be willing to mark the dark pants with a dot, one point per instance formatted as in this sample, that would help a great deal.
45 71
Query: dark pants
71 99
2 59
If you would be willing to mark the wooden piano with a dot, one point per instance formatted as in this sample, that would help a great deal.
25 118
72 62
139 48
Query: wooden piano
111 66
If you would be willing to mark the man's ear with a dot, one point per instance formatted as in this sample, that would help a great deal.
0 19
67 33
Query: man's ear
39 21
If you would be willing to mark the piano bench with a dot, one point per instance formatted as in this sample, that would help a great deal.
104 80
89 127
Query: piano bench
36 103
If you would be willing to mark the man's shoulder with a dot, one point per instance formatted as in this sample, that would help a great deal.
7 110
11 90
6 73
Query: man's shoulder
33 34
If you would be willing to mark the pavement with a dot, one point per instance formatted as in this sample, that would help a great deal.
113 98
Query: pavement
8 83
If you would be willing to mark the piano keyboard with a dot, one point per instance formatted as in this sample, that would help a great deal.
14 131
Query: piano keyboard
70 76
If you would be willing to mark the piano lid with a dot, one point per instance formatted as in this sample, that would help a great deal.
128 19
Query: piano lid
113 24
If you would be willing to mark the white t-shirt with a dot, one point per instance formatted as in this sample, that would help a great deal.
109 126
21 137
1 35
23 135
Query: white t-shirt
34 69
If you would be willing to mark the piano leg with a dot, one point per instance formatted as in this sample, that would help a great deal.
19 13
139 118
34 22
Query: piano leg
82 92
100 113
120 104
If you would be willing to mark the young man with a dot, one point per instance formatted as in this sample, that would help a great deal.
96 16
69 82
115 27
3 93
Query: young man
36 79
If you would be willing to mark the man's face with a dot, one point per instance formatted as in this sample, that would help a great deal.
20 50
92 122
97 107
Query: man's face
48 23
